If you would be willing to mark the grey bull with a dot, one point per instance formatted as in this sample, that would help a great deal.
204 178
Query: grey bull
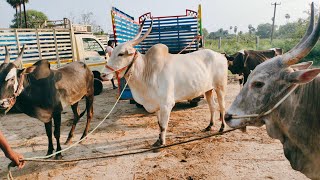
296 121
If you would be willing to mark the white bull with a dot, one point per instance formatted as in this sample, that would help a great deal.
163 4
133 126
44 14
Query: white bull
160 79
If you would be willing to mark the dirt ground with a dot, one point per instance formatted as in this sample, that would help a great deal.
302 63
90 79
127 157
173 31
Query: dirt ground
237 155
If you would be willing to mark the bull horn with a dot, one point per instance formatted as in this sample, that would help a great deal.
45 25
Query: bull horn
7 59
310 27
137 41
139 31
306 44
18 61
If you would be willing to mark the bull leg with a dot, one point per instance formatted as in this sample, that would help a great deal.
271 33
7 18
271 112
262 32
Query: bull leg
211 103
221 95
57 125
241 83
89 106
76 111
163 116
48 127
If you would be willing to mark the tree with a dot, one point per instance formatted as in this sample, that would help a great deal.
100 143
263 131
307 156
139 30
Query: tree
287 16
205 33
87 19
16 5
24 12
235 29
35 18
264 30
288 30
251 29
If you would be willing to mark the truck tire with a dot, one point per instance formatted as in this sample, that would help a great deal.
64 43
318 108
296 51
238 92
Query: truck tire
139 105
98 86
194 102
132 101
97 75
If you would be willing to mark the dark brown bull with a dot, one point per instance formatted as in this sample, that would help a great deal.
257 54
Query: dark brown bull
243 62
42 93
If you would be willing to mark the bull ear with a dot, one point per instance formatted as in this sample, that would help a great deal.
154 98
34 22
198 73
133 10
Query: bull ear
29 69
303 65
130 50
303 76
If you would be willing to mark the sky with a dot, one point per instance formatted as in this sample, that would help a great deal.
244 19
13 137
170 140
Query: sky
216 13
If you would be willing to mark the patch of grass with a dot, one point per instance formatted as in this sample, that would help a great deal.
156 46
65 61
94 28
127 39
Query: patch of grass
233 45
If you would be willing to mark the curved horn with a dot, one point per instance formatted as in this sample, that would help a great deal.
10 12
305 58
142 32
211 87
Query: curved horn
7 59
309 30
140 31
137 41
305 45
18 61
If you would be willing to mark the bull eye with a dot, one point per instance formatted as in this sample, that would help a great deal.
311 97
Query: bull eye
257 84
121 54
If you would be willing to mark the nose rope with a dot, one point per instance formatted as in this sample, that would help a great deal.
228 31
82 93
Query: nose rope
264 113
127 68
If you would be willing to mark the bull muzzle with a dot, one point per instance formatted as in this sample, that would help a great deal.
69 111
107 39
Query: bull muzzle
7 104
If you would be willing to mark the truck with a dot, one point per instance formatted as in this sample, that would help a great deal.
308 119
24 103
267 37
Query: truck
181 33
59 42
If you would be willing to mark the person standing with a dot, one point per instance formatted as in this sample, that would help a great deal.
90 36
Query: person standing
9 153
109 50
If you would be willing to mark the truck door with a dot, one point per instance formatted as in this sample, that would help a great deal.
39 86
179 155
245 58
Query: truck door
94 53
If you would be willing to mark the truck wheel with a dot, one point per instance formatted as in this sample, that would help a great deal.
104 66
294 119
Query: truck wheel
97 75
194 102
139 105
98 86
132 101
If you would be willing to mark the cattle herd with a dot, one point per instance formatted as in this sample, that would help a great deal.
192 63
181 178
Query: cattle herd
273 83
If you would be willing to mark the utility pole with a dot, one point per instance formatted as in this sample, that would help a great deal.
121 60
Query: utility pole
273 19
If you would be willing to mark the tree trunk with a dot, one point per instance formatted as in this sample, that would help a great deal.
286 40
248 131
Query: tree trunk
17 16
25 14
20 16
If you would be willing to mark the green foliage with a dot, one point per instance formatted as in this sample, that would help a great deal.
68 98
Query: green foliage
264 30
205 33
220 33
231 46
34 19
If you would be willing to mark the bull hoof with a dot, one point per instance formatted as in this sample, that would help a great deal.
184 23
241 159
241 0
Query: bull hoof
158 143
58 157
209 128
49 153
221 129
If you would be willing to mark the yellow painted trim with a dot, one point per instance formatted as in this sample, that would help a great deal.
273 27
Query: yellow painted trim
63 62
97 64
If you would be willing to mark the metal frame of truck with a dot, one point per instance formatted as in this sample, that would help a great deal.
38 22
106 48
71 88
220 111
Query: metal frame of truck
59 42
59 45
180 33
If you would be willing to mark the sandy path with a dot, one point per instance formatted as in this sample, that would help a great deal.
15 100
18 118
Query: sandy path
251 155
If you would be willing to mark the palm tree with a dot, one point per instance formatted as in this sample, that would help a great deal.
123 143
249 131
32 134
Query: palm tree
287 16
24 12
15 4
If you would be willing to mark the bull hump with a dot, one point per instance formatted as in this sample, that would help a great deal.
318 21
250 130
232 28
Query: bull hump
241 51
42 70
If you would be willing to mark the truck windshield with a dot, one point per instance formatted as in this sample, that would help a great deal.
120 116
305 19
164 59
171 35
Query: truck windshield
92 45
